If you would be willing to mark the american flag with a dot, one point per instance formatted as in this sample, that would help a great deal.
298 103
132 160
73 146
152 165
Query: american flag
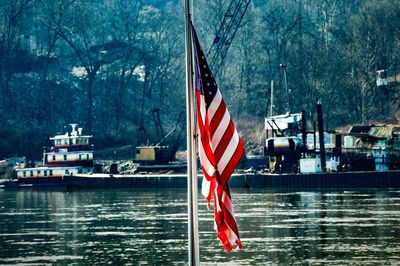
220 148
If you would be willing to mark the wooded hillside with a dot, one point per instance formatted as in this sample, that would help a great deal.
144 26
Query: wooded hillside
105 64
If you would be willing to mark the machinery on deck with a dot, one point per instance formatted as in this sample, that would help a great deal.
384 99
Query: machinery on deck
167 144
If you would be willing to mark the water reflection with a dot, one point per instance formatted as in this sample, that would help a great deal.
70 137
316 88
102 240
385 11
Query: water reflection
136 227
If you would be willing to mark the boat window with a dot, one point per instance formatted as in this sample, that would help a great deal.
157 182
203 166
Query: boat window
50 172
65 141
38 172
31 173
65 157
57 142
24 173
87 156
54 157
45 173
80 157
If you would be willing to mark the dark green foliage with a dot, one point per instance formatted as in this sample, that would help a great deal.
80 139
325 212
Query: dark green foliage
18 143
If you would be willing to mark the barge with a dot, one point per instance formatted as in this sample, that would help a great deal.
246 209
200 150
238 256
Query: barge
337 180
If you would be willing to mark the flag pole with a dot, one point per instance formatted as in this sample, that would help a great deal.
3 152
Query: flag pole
192 182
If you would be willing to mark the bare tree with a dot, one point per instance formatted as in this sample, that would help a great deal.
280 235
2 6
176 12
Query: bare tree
11 34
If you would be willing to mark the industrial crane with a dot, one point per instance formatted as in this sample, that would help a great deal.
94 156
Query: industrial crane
226 32
216 55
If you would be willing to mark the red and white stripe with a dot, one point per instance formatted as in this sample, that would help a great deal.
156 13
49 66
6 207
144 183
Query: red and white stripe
220 149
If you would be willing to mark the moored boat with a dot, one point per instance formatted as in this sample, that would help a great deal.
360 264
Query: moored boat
70 154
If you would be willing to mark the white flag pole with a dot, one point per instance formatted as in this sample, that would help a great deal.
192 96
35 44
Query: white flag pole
192 182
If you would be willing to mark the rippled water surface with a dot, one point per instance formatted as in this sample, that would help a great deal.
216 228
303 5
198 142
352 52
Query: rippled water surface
149 227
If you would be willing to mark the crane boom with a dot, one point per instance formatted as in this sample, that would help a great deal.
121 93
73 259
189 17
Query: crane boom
157 122
226 32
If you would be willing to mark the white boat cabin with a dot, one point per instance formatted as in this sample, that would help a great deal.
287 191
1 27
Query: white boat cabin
49 172
61 157
74 138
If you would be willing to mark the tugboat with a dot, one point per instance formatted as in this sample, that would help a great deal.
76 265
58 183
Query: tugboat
70 154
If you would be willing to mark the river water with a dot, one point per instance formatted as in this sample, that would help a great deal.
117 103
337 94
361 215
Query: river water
149 227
